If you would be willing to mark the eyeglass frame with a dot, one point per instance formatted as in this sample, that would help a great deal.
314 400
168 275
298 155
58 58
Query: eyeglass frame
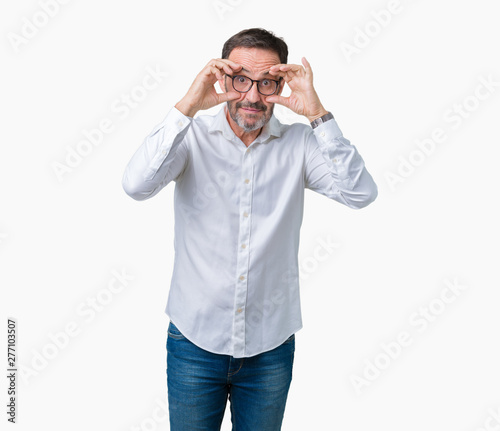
278 81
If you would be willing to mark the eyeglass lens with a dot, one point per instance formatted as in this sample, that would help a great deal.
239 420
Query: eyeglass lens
243 84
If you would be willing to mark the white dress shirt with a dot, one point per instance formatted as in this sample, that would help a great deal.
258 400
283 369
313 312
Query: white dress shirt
238 211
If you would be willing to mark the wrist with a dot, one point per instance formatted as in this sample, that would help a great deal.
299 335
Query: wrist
320 120
317 115
186 108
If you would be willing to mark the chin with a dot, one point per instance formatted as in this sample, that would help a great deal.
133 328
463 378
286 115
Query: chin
250 127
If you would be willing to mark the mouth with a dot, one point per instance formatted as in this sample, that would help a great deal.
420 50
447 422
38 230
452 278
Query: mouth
250 110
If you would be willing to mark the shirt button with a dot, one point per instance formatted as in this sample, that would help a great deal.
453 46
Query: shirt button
242 277
247 181
239 310
180 123
163 152
322 134
245 214
243 246
335 160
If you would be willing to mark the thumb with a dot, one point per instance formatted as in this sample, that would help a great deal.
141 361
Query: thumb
230 95
280 100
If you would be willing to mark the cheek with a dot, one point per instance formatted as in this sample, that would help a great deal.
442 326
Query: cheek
269 106
242 99
233 103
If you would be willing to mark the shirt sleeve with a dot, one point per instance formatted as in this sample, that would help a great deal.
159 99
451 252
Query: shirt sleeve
334 168
161 158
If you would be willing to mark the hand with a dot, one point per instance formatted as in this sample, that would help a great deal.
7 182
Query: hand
303 100
202 94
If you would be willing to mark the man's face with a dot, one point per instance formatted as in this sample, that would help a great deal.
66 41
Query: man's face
251 111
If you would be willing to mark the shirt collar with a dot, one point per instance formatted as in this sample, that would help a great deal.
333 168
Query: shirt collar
220 124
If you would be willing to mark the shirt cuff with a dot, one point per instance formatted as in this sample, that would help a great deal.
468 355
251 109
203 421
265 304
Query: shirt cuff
176 117
341 158
328 131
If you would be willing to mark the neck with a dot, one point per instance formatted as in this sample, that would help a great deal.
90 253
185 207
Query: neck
246 137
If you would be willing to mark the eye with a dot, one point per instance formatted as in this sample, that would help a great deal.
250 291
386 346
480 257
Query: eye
266 83
241 79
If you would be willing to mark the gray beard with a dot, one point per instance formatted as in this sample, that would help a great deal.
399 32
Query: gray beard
247 127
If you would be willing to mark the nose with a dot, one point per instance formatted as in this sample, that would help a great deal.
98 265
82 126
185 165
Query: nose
253 95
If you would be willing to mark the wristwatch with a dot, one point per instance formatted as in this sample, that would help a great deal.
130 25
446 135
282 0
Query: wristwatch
321 120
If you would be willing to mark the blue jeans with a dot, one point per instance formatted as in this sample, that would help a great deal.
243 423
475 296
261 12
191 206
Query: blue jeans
200 382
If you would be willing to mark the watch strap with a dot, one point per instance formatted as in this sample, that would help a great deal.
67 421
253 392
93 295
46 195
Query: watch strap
315 123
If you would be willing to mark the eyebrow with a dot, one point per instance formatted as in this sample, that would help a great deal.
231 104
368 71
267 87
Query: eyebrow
247 71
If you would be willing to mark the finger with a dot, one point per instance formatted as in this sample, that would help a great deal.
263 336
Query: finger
220 69
277 73
215 71
287 76
230 95
280 100
234 66
289 72
228 69
287 67
307 66
276 67
227 65
282 66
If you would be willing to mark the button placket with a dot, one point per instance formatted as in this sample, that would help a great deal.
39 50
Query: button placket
246 192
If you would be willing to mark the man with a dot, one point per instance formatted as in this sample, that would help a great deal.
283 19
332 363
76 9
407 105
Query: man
240 177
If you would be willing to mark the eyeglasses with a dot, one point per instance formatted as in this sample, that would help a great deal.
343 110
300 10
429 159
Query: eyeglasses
243 84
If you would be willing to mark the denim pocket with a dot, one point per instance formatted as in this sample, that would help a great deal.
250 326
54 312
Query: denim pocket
174 333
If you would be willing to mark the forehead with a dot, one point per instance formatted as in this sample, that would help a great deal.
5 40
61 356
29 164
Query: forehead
256 61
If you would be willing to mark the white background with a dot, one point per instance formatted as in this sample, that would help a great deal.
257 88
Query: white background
60 241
